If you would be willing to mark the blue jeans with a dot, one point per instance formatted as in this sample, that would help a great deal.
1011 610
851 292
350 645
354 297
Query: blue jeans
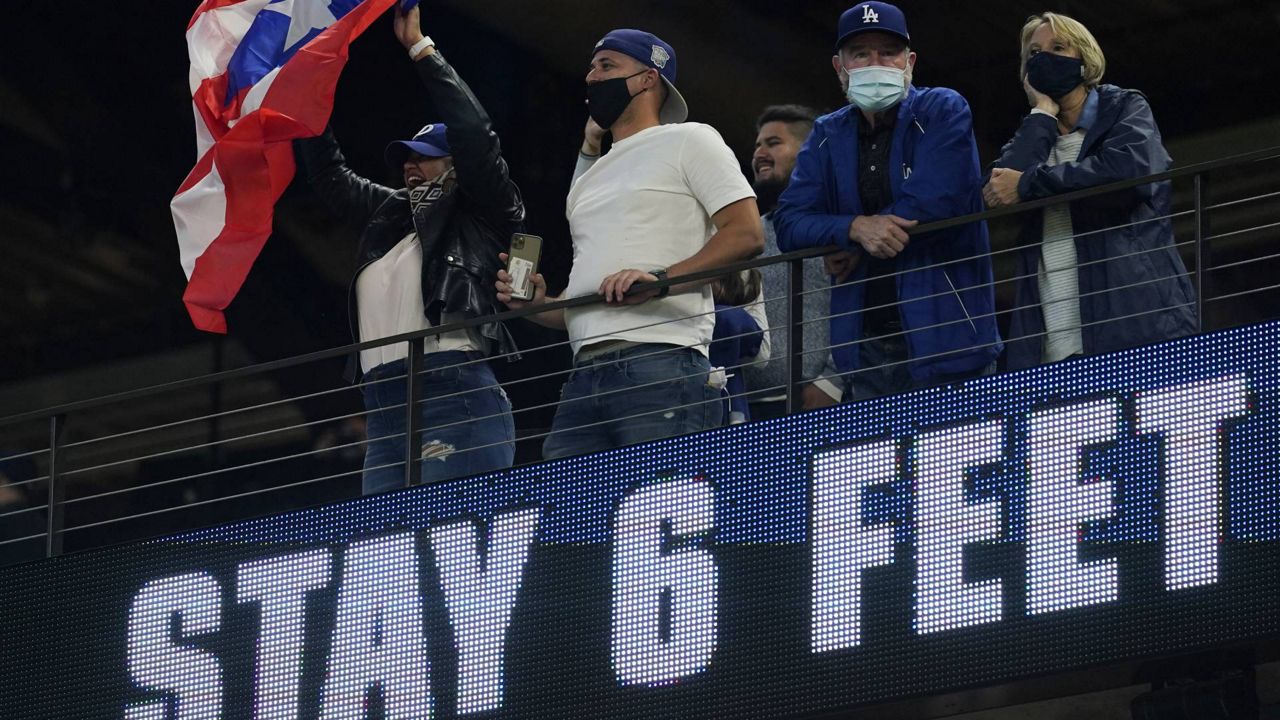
633 395
883 370
466 421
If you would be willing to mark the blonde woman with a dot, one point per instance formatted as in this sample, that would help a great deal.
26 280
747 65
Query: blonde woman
1102 273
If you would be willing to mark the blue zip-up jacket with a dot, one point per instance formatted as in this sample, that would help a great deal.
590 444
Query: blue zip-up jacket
1134 288
945 292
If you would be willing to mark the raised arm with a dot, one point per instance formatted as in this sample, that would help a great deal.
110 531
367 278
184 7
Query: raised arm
483 176
351 196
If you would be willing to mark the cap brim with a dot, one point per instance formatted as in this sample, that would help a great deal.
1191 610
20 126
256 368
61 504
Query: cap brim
845 38
674 110
398 151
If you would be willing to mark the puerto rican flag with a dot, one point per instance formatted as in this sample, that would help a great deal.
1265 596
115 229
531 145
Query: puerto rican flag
263 72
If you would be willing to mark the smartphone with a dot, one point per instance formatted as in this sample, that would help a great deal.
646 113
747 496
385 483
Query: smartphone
522 264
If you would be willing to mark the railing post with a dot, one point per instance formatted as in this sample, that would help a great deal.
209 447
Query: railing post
53 536
413 418
795 335
1201 198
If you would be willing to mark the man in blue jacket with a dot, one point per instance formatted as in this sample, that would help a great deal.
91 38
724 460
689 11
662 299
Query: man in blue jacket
908 310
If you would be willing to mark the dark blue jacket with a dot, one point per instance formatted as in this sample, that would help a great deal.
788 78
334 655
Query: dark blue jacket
1134 288
944 278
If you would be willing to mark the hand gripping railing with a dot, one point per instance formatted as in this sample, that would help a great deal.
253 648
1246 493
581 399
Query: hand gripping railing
792 355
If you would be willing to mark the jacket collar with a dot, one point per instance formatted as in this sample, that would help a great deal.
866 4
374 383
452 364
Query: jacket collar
842 145
1107 101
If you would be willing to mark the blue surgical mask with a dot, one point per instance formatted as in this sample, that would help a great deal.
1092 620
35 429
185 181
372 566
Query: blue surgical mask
877 87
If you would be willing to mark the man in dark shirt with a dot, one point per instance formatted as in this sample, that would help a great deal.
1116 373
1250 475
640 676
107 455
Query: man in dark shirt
880 316
907 310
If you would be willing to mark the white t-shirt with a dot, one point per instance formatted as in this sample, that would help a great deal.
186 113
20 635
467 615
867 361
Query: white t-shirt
389 302
647 204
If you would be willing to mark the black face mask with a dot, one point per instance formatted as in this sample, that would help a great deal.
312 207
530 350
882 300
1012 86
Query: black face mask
1054 75
608 99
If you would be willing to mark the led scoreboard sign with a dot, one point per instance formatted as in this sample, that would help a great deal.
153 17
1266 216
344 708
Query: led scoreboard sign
1079 514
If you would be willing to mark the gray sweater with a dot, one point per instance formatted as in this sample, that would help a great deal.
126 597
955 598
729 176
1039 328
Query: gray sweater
816 305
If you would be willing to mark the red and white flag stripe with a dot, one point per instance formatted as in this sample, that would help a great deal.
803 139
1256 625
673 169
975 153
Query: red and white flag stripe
223 210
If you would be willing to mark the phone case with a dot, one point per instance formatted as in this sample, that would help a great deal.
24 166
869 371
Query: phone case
522 264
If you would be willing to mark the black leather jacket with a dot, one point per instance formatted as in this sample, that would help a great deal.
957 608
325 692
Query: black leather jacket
459 250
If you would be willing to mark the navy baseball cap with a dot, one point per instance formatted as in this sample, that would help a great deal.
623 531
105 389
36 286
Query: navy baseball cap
649 50
430 142
872 16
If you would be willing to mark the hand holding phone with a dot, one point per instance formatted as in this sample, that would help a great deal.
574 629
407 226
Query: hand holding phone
522 264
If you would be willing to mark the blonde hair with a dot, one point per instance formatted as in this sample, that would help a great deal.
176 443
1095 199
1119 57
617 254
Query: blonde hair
1075 35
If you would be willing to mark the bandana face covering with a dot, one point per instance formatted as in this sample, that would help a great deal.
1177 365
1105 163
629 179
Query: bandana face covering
423 197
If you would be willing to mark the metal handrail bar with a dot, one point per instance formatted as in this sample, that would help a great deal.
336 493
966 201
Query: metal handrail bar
557 344
543 435
247 436
998 313
544 376
1197 168
993 253
750 392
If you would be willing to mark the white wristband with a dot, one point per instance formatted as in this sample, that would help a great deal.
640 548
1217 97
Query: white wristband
421 45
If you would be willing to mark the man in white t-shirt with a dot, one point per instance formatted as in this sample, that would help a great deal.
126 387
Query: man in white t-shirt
668 199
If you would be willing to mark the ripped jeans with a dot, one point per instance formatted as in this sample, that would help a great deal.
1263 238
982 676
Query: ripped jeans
633 395
466 421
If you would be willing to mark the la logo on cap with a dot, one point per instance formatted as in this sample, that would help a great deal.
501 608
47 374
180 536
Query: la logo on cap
426 129
869 15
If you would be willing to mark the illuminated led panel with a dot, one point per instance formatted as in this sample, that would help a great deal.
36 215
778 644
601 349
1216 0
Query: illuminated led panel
1089 512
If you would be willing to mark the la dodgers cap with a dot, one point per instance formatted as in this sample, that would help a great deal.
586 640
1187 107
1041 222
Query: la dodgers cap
872 16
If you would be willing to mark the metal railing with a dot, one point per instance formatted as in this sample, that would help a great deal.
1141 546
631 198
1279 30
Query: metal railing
67 462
